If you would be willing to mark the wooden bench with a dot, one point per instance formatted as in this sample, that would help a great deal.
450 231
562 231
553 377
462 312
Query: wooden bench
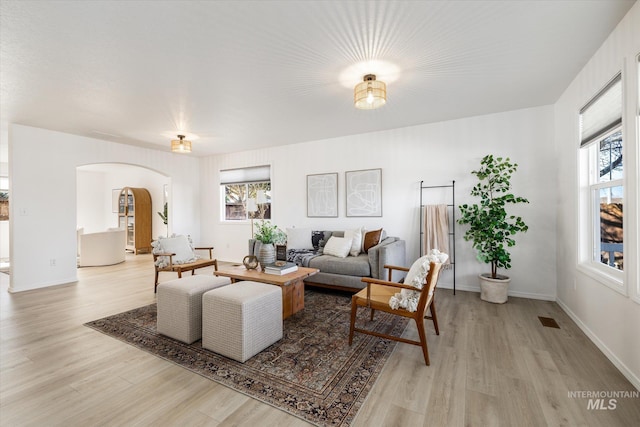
179 268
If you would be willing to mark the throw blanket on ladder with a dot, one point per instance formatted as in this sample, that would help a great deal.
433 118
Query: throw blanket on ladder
436 230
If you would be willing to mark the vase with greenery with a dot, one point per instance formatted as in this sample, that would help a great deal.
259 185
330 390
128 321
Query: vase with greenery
491 228
268 235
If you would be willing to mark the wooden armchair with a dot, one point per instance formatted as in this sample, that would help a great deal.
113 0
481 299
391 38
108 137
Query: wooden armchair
179 268
376 297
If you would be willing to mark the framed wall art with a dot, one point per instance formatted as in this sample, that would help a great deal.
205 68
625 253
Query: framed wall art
322 195
364 192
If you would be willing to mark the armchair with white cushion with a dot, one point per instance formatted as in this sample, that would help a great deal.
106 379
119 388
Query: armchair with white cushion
411 299
177 254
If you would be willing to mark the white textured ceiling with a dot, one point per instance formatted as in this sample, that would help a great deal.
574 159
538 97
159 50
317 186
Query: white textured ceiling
243 74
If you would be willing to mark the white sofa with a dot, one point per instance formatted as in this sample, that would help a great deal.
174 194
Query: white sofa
103 248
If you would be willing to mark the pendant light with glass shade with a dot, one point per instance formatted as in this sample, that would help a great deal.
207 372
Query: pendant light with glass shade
180 145
370 93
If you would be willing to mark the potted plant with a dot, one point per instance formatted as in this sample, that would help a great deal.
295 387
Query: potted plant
491 228
268 235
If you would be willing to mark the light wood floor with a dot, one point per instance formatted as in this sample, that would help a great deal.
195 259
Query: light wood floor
491 365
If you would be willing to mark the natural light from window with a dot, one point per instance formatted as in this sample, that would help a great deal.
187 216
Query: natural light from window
245 193
602 195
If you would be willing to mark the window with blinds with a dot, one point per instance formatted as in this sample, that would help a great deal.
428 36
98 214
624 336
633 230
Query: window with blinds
602 114
601 138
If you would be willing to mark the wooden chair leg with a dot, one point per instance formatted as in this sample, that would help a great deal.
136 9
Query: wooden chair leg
354 308
423 339
372 311
155 287
432 308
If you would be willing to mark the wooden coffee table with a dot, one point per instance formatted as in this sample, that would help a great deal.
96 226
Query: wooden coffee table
292 284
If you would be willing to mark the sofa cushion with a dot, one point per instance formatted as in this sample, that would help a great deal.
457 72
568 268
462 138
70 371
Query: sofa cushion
338 246
356 240
370 239
319 239
348 266
299 238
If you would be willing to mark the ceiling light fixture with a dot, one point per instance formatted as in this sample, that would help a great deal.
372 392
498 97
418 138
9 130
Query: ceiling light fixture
370 93
180 145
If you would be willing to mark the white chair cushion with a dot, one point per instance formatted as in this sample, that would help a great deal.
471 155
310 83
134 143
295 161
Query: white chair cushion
419 269
407 298
178 245
417 273
338 246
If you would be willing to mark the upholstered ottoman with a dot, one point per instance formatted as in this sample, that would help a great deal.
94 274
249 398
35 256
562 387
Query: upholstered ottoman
241 320
180 306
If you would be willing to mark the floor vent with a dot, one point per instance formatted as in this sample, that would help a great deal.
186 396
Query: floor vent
548 322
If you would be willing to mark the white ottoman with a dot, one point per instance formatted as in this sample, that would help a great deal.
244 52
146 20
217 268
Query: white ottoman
180 306
241 320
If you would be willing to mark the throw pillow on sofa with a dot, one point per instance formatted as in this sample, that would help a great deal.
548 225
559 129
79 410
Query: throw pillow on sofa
370 239
338 246
319 239
356 240
299 238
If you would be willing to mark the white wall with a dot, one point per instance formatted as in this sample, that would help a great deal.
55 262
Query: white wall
93 209
43 199
611 320
95 187
436 153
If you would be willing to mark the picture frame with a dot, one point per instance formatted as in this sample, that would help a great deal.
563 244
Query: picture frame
363 189
322 195
281 252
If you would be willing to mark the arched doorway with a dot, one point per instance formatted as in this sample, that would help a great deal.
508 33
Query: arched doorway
98 186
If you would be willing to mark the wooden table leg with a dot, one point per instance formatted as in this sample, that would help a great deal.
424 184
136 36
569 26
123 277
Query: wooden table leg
292 298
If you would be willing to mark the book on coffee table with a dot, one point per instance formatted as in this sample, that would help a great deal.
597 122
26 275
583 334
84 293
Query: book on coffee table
279 269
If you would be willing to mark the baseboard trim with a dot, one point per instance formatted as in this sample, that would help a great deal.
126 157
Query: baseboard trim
71 280
628 374
543 297
517 294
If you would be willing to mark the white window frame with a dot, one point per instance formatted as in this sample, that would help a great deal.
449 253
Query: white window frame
608 275
589 225
243 176
634 154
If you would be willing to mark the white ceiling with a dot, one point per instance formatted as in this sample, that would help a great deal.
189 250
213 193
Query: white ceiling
248 74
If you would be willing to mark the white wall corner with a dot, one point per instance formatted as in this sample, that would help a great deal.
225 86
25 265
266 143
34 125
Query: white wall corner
628 374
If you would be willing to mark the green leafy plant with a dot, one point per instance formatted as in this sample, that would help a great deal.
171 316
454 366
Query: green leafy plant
164 215
268 233
491 228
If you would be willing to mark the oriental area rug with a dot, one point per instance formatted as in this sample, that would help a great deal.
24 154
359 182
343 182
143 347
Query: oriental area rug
311 373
